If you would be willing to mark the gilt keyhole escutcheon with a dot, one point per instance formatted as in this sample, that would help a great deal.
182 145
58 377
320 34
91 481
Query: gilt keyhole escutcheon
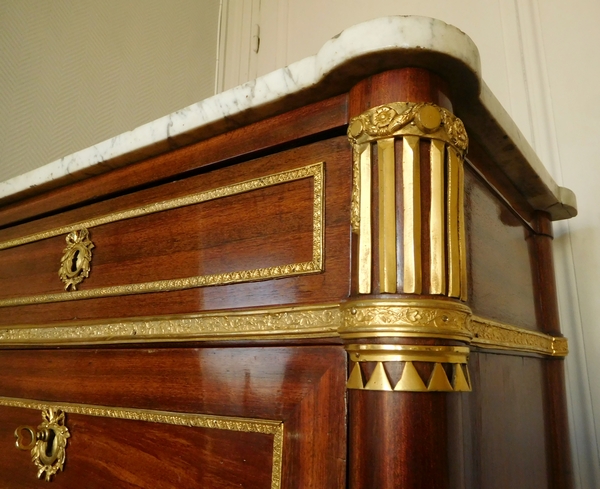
47 443
76 259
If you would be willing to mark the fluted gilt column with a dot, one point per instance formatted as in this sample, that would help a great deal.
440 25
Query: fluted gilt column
405 325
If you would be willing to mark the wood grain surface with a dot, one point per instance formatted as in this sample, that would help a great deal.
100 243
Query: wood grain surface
302 386
103 452
508 423
402 85
500 267
267 227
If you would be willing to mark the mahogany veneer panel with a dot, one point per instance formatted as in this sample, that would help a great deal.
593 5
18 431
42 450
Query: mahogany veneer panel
241 381
103 452
266 227
302 386
508 420
500 274
219 236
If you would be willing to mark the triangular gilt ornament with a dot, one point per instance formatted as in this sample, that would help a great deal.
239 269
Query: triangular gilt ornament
460 381
378 380
439 380
411 380
355 381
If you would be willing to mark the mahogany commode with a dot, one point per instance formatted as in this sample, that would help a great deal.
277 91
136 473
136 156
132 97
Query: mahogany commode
337 275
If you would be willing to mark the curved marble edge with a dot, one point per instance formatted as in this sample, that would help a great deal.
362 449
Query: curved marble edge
494 129
357 52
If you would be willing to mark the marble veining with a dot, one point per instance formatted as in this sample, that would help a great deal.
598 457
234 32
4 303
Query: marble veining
251 101
357 52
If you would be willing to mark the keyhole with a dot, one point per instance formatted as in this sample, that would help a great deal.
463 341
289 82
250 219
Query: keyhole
74 261
50 442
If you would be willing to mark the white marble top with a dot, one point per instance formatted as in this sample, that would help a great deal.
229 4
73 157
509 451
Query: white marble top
361 50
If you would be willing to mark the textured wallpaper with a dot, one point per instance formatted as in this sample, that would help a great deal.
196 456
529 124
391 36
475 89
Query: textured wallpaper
77 72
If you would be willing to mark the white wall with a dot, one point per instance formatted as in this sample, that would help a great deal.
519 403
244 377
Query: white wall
569 37
540 59
74 73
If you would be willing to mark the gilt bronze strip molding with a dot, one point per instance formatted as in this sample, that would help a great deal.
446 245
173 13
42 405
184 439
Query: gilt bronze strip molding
356 320
246 425
281 323
314 171
490 334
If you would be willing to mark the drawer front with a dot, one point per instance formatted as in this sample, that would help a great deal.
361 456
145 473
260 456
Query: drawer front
249 235
140 448
270 417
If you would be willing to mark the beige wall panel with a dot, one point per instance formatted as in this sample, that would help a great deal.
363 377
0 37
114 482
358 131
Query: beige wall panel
303 26
570 36
74 73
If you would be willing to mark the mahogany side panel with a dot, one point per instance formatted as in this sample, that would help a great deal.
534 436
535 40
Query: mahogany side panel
484 163
500 274
509 429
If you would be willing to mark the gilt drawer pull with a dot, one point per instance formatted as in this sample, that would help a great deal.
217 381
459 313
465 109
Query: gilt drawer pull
47 443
